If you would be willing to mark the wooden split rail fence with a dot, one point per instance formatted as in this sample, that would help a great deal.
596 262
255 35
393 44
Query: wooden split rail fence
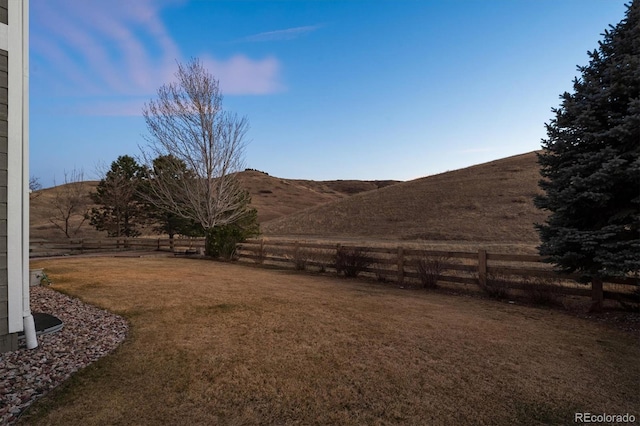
42 248
398 264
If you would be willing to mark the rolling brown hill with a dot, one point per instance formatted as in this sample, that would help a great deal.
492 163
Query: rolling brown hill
491 202
42 211
276 197
273 198
486 203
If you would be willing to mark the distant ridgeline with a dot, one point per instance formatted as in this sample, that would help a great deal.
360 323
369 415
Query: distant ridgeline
256 170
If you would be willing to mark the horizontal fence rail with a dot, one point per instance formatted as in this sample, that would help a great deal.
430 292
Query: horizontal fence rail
400 265
42 248
491 271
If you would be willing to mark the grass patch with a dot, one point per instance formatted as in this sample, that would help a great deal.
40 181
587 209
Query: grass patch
220 308
219 343
541 413
497 286
351 261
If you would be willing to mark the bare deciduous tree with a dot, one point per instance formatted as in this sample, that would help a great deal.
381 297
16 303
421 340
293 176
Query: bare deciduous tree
69 203
187 122
34 187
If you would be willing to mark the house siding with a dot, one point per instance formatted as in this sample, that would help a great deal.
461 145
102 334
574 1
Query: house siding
4 11
8 341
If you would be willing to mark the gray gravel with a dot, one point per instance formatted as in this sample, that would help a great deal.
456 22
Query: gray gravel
88 334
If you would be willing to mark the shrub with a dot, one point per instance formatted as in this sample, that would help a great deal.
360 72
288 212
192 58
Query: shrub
44 279
351 261
301 258
429 270
381 275
255 170
299 263
222 241
497 286
325 259
542 291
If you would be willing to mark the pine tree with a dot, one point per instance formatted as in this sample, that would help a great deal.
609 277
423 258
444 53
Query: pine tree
166 221
120 213
590 163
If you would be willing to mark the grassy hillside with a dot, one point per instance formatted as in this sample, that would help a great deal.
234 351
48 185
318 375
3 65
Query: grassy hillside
273 198
42 214
488 202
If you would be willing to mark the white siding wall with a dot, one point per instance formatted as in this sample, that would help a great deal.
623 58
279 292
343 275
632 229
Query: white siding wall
18 155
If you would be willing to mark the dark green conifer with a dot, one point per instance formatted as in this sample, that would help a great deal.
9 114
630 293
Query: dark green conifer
590 162
119 210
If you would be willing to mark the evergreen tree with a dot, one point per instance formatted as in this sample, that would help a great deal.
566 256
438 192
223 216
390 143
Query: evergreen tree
166 221
590 163
120 213
222 240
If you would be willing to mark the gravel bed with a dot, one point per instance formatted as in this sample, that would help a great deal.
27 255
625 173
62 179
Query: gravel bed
88 334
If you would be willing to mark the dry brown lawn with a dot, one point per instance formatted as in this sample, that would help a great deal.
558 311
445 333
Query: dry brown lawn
220 343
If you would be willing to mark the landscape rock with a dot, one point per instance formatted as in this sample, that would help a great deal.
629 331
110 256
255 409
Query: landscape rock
88 334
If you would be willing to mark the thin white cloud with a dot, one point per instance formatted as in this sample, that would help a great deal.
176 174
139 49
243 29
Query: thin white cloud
123 48
240 75
104 42
279 35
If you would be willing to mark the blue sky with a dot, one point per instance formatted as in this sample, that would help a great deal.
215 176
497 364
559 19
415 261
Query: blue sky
357 89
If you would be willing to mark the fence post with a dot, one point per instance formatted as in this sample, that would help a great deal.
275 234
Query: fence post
597 295
482 267
400 265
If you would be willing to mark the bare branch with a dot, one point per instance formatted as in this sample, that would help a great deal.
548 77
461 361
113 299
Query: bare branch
187 123
34 187
69 204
